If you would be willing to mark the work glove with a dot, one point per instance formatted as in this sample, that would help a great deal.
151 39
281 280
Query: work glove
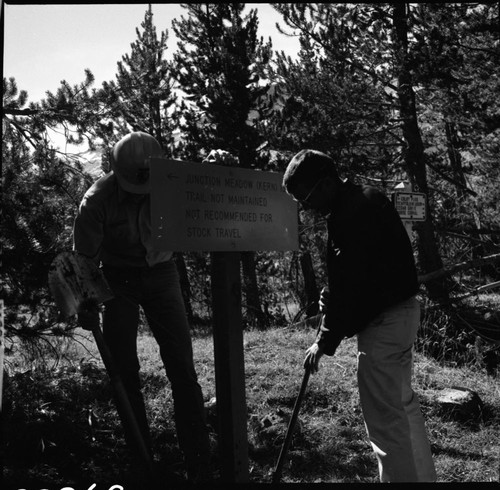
324 297
88 315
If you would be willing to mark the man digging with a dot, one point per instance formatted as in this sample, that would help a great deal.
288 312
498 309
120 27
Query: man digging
113 227
372 282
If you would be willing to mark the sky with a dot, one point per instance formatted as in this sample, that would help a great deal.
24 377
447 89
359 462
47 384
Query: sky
44 44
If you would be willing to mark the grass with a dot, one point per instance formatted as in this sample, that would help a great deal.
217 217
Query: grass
61 429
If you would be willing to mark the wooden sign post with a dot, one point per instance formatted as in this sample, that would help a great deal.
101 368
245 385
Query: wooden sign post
229 366
223 210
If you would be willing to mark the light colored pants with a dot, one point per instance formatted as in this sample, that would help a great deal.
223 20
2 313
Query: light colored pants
393 420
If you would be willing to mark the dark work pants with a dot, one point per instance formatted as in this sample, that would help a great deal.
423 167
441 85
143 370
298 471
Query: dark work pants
157 290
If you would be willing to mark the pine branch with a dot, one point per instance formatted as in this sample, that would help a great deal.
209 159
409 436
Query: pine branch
316 38
474 231
480 289
21 112
448 271
27 135
450 180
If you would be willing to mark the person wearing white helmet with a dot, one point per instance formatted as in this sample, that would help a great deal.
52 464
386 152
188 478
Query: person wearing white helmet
113 227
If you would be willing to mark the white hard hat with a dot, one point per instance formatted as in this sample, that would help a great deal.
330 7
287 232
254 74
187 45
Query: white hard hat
130 161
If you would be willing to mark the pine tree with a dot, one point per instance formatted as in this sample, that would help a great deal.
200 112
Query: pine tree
456 65
370 45
41 194
143 94
218 65
142 99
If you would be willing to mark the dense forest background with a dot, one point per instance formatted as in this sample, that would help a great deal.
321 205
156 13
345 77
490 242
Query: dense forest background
394 92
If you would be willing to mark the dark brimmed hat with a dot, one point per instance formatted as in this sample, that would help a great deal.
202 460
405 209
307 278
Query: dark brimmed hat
307 166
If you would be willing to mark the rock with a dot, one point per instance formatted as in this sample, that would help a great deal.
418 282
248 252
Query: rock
460 404
271 429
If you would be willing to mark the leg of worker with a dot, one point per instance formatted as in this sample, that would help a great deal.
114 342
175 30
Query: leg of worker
391 410
165 311
120 323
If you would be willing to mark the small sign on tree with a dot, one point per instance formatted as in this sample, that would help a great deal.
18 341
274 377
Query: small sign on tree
411 205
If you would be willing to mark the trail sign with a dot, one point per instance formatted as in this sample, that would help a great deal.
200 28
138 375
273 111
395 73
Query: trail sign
411 206
206 207
223 210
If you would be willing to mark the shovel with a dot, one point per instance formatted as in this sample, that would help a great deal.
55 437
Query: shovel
291 426
293 420
73 281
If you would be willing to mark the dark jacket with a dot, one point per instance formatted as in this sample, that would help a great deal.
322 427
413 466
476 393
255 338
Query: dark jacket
370 262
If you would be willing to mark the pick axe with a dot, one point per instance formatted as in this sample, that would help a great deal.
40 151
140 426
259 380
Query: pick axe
73 281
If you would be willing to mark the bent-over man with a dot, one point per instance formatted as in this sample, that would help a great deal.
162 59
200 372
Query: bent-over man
113 227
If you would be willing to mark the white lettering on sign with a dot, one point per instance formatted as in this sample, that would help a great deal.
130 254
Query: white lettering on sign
207 207
410 205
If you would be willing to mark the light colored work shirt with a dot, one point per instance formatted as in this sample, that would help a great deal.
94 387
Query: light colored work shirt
114 227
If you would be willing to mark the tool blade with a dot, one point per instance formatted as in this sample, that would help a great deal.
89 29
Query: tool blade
73 280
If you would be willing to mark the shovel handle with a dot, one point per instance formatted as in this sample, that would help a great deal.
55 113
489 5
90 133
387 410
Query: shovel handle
291 426
122 399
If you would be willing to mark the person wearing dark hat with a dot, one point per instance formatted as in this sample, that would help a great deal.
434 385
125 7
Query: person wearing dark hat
372 283
113 227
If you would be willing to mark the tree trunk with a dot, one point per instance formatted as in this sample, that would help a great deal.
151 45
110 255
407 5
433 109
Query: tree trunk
455 158
253 306
428 252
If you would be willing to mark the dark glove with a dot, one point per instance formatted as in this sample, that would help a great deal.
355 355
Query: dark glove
88 315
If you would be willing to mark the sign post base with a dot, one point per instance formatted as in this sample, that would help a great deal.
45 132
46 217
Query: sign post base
229 367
